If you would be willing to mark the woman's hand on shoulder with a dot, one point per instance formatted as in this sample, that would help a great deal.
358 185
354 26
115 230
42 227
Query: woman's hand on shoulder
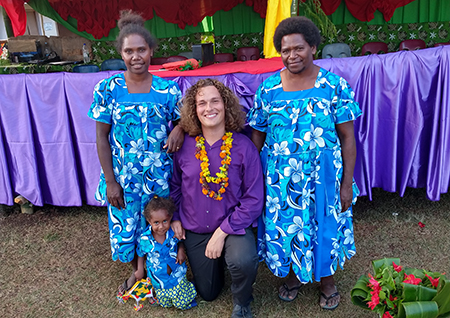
178 229
114 193
175 139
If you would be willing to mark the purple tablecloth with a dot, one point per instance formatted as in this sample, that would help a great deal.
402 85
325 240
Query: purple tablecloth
47 142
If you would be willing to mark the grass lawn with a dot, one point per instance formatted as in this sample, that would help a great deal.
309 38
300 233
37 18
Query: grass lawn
57 263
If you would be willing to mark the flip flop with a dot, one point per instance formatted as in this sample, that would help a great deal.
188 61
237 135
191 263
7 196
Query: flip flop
286 287
125 288
327 298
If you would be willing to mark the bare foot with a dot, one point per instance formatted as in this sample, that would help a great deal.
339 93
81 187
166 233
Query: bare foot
127 284
329 298
289 290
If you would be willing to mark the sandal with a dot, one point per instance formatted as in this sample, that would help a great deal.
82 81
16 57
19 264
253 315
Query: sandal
328 298
289 290
124 287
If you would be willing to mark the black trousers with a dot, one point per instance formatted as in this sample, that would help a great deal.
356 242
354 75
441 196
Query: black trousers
240 256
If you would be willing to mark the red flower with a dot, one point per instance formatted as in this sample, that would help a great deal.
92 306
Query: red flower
392 298
397 268
374 284
421 225
434 281
387 315
374 301
411 279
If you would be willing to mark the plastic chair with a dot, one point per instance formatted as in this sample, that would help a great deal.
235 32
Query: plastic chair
113 65
176 58
188 55
336 50
223 57
442 44
247 53
374 48
85 69
412 45
158 60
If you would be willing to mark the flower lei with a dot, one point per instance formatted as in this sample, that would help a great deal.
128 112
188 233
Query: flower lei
221 176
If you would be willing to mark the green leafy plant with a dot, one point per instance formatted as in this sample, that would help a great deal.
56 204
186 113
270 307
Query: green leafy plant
397 292
312 10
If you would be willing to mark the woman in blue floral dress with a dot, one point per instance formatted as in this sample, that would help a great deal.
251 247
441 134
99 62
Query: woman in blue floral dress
133 111
303 123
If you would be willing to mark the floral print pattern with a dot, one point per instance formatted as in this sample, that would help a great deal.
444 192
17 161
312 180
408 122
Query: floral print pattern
171 289
139 126
303 224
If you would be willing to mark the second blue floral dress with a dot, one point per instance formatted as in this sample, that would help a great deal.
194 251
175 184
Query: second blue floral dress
139 130
303 224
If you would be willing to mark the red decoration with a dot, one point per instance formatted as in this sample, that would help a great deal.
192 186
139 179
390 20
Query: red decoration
364 10
99 17
15 9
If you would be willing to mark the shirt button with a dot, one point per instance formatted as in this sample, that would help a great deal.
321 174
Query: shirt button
207 211
207 226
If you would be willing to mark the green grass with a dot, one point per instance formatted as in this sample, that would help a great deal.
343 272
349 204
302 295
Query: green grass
57 263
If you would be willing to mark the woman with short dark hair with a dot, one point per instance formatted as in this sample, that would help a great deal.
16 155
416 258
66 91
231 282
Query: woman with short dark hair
303 124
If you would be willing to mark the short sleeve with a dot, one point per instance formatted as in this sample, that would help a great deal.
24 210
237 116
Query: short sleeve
174 102
102 106
258 115
344 108
145 245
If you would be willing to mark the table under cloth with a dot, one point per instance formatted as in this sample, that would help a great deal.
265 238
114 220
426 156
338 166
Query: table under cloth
47 143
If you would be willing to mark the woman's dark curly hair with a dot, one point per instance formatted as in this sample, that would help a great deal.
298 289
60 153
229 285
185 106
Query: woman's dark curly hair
132 23
159 203
299 25
234 115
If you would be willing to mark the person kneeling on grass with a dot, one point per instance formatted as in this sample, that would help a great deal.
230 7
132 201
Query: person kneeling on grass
166 257
218 185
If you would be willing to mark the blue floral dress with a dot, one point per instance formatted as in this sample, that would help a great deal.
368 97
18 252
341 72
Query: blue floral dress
171 289
303 224
139 130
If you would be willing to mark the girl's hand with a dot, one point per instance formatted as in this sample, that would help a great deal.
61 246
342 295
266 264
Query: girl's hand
175 140
139 274
178 230
181 255
114 193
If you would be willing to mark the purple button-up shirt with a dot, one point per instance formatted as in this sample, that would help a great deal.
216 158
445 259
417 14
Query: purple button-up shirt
243 199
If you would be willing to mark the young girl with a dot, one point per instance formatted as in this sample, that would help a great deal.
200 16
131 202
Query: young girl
166 257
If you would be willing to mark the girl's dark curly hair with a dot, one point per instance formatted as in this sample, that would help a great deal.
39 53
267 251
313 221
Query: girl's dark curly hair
234 115
132 23
299 25
159 203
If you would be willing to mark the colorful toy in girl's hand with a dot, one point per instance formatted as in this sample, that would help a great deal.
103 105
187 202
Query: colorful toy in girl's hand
141 289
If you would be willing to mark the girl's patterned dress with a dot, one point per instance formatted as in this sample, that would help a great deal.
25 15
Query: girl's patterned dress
171 289
139 130
303 224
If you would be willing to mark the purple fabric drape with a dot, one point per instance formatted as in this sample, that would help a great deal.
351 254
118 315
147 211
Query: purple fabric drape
47 143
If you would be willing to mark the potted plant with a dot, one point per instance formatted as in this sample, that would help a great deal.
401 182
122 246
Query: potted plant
397 292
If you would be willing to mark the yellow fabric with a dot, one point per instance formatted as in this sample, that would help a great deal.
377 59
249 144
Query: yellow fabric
277 10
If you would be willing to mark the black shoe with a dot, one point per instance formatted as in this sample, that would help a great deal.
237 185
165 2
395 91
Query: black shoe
241 312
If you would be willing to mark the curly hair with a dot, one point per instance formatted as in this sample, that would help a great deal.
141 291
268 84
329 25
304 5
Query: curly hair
132 23
159 203
234 115
299 25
